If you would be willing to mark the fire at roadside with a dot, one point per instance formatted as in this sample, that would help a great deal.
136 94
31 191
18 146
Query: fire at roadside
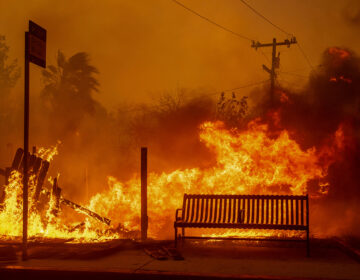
307 142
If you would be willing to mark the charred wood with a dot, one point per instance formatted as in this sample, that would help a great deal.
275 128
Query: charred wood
78 226
56 192
85 211
17 159
41 177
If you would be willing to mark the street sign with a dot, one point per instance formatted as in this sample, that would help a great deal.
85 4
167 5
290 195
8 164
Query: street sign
37 44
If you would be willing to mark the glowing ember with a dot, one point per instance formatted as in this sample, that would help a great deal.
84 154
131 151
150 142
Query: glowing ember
341 78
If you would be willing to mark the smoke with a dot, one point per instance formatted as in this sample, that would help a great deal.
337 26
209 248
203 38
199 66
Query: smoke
329 101
169 128
351 13
97 143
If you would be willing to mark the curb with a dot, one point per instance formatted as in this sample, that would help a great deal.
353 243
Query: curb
39 273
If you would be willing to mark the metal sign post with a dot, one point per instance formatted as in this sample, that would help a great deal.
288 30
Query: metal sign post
35 52
144 217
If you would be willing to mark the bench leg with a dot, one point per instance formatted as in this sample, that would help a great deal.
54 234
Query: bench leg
175 237
307 244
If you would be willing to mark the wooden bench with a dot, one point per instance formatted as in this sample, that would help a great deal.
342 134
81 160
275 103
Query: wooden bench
276 212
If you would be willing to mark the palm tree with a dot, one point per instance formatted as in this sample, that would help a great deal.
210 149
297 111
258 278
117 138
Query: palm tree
68 91
9 75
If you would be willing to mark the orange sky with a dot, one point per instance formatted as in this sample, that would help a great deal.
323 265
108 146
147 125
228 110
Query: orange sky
143 47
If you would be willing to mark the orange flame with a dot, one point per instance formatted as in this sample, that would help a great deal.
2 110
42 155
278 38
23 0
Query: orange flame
247 162
48 154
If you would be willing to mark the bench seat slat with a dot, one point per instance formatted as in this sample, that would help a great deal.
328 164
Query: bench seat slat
276 211
302 212
183 208
297 211
192 209
201 210
292 211
262 212
235 201
282 211
216 201
252 211
231 207
197 203
239 207
188 201
257 208
206 209
211 210
287 211
221 211
226 213
271 207
247 209
239 225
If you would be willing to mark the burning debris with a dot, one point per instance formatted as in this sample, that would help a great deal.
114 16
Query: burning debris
44 204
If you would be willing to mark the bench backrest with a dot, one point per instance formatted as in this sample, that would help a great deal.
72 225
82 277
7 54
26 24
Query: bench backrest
282 210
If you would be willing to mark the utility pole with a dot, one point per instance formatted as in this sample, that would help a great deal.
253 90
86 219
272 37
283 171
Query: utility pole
275 62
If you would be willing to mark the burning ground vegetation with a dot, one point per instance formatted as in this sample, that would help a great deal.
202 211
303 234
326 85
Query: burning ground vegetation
303 143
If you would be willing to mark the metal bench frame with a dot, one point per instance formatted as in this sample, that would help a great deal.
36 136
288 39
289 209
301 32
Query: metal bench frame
277 212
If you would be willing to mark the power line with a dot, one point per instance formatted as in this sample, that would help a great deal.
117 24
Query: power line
217 25
294 74
212 22
292 84
279 28
305 56
237 88
268 60
266 19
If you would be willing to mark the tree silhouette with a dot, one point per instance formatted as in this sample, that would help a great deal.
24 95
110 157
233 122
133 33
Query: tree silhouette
232 111
9 75
10 116
68 91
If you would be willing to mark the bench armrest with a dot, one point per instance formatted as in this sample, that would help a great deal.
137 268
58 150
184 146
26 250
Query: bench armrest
177 218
